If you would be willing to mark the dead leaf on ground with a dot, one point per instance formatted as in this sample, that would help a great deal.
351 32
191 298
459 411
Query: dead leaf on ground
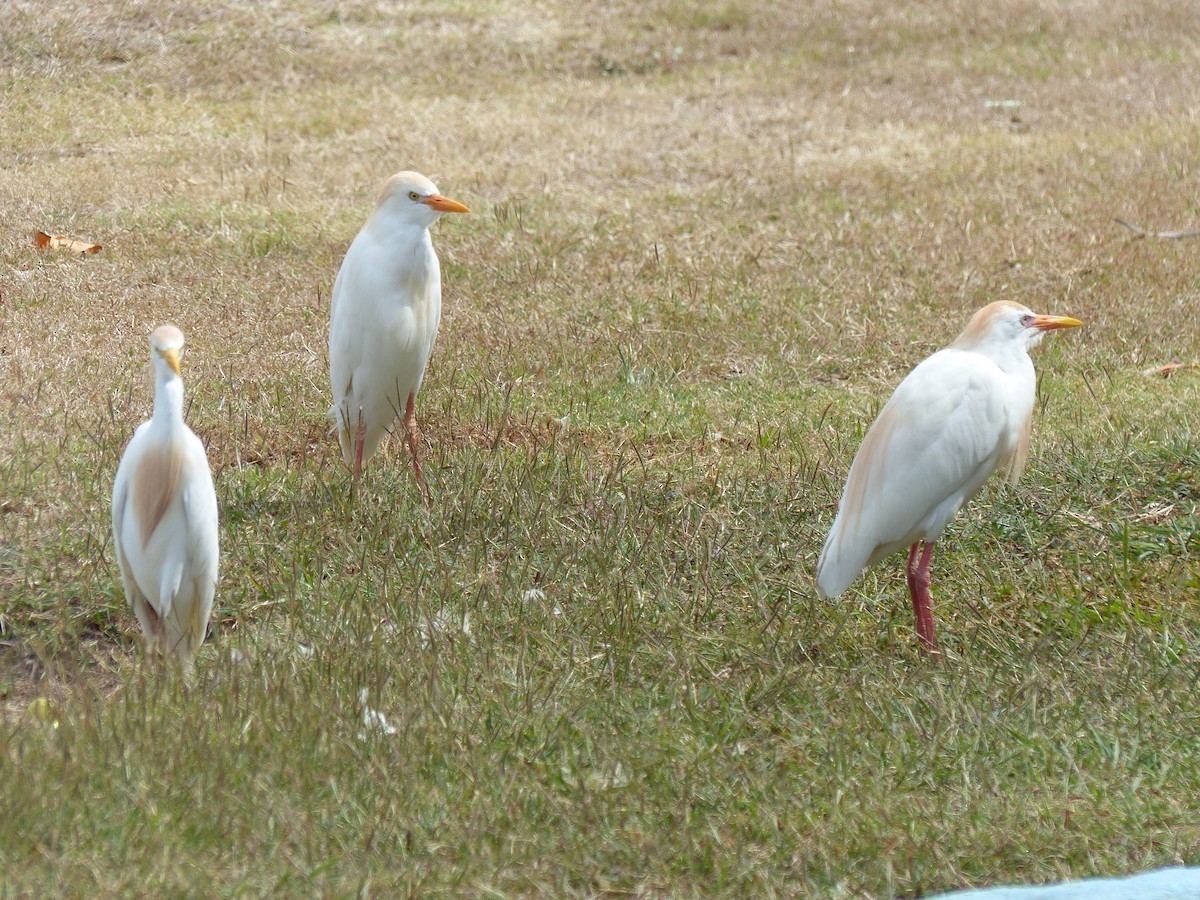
44 241
1166 371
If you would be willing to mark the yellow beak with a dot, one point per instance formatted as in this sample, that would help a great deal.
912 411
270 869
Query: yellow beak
443 204
1045 323
171 355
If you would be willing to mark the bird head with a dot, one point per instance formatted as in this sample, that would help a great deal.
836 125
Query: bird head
412 198
166 343
1005 323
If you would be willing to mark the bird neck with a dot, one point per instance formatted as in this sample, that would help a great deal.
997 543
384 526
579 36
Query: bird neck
168 400
397 228
407 255
1010 357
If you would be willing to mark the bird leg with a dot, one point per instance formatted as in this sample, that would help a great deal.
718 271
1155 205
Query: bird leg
410 433
360 438
918 588
152 628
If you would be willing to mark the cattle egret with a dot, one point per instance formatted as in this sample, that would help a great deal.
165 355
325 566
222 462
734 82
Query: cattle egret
955 418
387 303
164 517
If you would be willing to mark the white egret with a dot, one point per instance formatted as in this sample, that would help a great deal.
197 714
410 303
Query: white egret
164 517
386 306
956 417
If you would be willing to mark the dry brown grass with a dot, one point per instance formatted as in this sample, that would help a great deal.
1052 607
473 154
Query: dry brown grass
710 237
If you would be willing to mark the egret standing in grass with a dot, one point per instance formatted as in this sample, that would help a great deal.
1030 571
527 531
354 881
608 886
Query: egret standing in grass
387 303
954 419
164 517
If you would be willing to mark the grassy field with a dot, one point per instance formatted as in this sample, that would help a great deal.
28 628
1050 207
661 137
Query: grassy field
707 240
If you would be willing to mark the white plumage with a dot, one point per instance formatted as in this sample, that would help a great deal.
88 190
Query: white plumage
953 420
386 307
164 517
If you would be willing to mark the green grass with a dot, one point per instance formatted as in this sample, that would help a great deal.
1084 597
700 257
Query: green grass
706 242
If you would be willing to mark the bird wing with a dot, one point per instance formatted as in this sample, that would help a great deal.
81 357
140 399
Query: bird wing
203 548
344 352
383 321
120 499
200 510
349 320
930 449
145 611
366 310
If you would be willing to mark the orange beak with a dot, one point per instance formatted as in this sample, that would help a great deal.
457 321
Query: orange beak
1045 323
443 204
171 355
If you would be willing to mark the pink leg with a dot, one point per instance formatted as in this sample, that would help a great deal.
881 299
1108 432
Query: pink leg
410 432
922 601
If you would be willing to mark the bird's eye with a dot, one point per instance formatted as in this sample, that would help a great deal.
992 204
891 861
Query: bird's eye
1027 320
413 195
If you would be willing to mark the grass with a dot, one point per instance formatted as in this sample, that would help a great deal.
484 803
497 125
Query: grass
707 241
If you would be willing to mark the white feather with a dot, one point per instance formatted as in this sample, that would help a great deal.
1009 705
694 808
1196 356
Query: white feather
385 312
953 419
164 519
